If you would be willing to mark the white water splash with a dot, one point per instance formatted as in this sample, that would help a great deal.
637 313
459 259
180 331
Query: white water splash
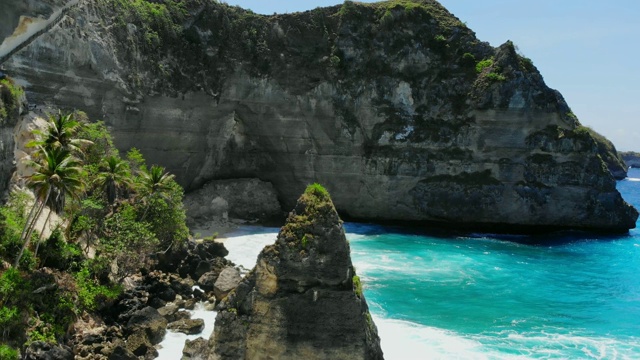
173 342
247 242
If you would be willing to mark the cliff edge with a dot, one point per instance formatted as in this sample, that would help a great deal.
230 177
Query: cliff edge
395 106
303 300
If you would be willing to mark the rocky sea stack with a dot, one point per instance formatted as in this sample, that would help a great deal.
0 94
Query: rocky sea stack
303 300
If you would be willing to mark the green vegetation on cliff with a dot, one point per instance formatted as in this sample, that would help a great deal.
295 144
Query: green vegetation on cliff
114 214
10 98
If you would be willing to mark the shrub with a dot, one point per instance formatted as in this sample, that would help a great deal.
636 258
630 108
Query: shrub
481 65
468 59
496 77
317 190
357 285
8 353
91 293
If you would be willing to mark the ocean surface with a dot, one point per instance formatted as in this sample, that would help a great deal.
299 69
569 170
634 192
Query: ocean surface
493 297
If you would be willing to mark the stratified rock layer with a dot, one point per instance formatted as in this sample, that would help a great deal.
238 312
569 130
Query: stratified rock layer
395 106
303 300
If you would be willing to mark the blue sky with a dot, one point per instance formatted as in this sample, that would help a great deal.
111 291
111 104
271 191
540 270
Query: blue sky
589 50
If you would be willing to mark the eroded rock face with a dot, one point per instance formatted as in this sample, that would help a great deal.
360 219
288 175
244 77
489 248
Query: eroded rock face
249 199
12 106
303 300
386 105
631 158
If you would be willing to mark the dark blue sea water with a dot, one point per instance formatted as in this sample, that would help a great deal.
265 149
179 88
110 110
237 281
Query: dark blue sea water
481 297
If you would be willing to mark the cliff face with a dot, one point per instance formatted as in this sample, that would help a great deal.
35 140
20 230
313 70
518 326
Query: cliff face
395 106
12 105
303 300
631 158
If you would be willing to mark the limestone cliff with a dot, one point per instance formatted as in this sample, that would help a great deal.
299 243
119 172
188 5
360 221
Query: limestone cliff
631 158
303 300
12 105
396 106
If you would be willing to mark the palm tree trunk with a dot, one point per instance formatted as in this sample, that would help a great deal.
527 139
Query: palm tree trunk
35 254
28 221
30 227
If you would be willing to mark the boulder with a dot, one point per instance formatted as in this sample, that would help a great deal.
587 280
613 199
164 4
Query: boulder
228 279
187 326
196 349
303 300
190 304
122 353
40 350
168 311
149 320
208 280
138 343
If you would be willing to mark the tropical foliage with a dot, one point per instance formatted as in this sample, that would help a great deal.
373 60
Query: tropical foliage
112 215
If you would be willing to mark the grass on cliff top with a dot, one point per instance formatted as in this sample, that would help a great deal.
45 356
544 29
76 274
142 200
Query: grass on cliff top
314 204
433 8
317 190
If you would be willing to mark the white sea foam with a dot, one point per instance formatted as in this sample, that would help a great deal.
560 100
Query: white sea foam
632 179
247 242
244 245
173 342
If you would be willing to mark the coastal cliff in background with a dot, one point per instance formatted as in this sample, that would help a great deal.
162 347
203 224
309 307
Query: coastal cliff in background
631 158
396 106
307 274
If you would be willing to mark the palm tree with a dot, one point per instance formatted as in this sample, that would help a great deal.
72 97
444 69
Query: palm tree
57 174
61 133
114 176
155 182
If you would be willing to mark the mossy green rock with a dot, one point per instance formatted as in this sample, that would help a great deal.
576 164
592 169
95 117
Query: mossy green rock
383 103
300 301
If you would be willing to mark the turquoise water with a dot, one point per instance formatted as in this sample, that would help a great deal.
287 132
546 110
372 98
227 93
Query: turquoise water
479 296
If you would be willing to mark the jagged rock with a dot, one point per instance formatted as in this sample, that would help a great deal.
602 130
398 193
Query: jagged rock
190 304
138 343
40 350
187 326
149 320
197 349
249 199
122 353
384 107
168 311
12 105
208 280
228 279
202 268
210 250
181 314
303 300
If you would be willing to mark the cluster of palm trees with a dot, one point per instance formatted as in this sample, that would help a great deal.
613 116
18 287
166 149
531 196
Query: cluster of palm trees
59 173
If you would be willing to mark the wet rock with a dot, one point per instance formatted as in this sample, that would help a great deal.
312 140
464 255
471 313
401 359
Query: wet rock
195 350
122 353
228 279
40 350
150 321
187 326
208 280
